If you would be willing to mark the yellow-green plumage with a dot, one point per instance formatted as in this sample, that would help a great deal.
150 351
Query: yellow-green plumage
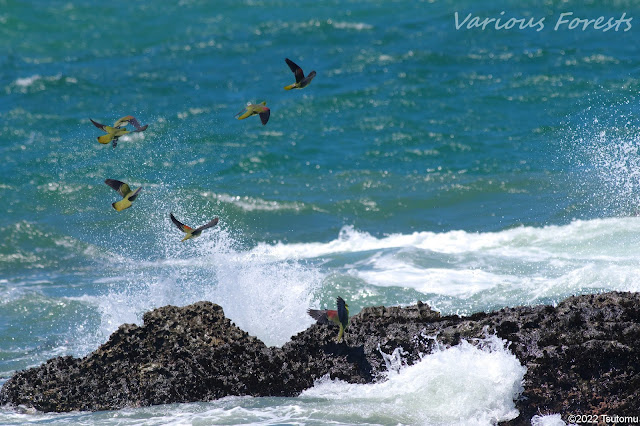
339 317
125 191
253 109
117 130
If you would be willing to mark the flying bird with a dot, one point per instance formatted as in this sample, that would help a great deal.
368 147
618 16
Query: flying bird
127 194
301 80
191 233
253 109
339 316
118 129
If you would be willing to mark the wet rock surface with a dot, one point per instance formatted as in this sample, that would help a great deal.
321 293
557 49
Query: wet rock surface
582 357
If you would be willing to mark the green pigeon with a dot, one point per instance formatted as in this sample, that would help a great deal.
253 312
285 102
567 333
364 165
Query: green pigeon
118 129
339 316
301 80
127 194
253 109
191 233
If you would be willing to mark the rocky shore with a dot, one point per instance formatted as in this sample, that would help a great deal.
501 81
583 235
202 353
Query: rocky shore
582 357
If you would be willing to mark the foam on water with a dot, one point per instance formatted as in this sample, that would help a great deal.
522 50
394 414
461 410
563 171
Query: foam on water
464 272
548 420
581 238
464 384
266 290
473 383
247 203
265 297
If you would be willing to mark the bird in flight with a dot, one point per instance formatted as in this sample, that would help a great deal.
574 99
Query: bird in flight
253 109
301 80
127 194
339 316
191 233
118 129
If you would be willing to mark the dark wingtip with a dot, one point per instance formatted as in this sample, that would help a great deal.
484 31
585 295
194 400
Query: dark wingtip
264 116
98 125
292 65
319 315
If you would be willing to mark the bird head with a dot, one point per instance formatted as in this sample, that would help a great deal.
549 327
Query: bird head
343 311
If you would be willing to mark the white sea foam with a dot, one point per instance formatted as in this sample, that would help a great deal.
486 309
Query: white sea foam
266 290
265 297
582 239
247 203
343 25
37 82
487 269
548 420
27 81
459 283
468 384
465 384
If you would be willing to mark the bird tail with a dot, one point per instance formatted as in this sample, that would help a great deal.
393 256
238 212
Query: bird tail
186 237
105 139
122 204
289 87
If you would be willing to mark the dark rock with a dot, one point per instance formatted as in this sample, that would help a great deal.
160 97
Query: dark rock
582 357
178 355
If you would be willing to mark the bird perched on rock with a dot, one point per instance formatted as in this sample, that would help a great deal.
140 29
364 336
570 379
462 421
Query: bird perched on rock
301 80
118 129
253 109
127 194
191 233
339 316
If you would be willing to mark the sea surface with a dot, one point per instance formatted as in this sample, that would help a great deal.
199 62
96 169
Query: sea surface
431 160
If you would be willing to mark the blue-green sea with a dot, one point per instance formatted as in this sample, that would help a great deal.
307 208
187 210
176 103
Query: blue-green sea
445 152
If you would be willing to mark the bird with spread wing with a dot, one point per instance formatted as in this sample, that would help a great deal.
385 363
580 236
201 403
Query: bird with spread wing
301 80
191 233
253 109
340 316
118 129
127 194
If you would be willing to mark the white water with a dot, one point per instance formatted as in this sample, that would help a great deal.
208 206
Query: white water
468 384
465 384
456 272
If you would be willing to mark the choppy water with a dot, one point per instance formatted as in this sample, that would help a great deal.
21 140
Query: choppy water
470 169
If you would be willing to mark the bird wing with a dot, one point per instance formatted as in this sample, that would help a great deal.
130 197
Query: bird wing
100 126
181 226
123 121
310 77
211 224
319 315
264 116
130 119
135 194
295 69
122 188
343 313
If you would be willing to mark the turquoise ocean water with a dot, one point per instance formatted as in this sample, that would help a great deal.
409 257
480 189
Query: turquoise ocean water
468 168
